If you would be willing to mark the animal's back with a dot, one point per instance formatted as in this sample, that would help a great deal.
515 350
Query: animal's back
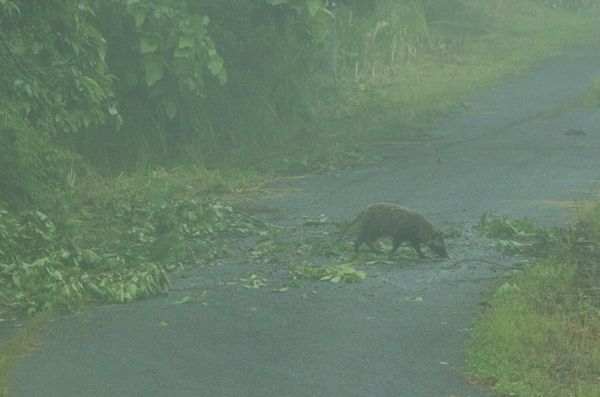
392 220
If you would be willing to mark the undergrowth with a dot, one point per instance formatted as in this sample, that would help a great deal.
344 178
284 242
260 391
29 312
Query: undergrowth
112 241
115 239
514 235
334 273
540 335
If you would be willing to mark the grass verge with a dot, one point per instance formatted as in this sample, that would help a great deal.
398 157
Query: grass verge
391 100
112 239
18 346
541 333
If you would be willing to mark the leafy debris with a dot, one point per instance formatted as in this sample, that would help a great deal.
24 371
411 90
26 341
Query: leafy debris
334 273
512 235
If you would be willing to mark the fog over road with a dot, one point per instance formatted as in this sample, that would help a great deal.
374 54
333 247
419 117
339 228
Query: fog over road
506 152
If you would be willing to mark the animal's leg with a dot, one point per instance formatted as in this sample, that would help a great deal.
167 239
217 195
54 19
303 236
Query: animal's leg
417 248
395 245
371 245
357 244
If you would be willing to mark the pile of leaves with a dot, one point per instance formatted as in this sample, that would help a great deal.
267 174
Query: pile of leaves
513 235
55 264
332 273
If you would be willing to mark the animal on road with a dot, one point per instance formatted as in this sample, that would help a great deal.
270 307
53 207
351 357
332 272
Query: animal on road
398 223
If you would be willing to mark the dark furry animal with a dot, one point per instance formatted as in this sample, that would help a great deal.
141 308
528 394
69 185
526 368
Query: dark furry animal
400 224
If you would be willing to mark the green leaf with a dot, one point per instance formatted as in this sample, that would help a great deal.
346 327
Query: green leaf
314 6
91 285
318 221
170 107
196 298
185 299
132 290
16 280
139 15
153 70
185 42
184 52
215 66
89 257
147 46
411 299
55 274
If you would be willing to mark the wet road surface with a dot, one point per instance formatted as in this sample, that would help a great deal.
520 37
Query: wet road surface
506 153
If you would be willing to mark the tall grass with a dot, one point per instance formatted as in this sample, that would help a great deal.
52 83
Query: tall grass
407 63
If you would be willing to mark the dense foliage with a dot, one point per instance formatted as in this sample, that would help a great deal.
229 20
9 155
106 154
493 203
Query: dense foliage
129 84
54 82
124 78
93 89
106 87
49 264
197 78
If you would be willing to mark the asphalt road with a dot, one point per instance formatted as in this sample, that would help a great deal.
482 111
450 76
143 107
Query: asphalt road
502 154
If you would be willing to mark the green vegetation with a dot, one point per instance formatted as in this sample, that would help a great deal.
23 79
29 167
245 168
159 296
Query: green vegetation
24 342
540 335
513 235
334 274
403 84
115 248
124 122
592 95
121 86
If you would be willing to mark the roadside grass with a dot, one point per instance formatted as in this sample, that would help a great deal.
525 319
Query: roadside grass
393 101
17 347
591 97
540 335
113 238
333 273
